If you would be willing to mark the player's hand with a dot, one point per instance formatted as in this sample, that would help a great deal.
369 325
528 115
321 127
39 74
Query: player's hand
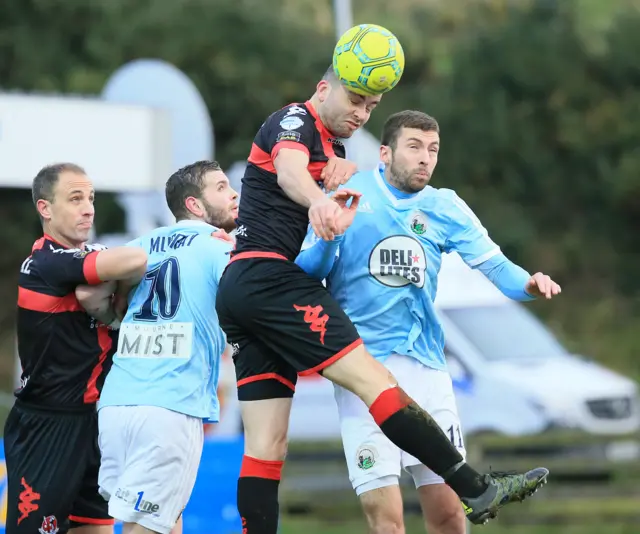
324 215
347 213
541 285
337 172
222 235
120 305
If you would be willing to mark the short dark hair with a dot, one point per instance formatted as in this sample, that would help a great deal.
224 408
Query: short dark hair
45 181
330 76
406 119
187 182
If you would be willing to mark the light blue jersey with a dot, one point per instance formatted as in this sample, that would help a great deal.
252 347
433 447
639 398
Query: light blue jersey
170 341
385 275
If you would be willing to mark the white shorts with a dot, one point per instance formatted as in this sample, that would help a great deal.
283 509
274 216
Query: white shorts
150 459
372 459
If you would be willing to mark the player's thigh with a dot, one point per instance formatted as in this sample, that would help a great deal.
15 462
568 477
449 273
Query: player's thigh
266 384
373 461
43 471
89 511
163 452
91 529
440 403
112 434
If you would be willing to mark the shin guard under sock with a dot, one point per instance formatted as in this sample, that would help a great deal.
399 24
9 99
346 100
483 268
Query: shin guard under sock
258 495
416 432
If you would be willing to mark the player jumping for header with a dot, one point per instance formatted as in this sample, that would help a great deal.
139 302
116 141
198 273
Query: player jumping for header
284 322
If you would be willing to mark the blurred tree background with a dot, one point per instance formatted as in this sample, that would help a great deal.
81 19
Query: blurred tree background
538 101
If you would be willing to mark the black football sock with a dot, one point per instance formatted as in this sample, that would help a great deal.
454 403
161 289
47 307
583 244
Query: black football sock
415 431
258 495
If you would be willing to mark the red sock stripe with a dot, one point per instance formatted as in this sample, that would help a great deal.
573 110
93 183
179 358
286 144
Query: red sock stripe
252 467
390 401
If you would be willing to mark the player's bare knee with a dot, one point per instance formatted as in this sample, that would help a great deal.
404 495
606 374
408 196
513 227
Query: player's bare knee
383 518
360 373
448 520
382 508
442 510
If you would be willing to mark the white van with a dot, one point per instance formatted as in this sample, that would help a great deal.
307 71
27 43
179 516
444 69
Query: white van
511 375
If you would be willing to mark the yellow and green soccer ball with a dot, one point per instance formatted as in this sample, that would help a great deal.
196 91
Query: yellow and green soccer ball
368 60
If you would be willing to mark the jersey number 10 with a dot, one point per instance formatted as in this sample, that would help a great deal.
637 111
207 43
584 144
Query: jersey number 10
164 290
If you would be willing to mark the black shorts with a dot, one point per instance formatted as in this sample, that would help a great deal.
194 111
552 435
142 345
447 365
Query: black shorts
52 463
281 322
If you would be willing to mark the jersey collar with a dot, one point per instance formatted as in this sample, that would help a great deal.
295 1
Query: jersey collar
189 223
378 173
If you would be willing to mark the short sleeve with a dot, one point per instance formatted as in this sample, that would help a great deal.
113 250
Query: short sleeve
68 267
292 127
466 234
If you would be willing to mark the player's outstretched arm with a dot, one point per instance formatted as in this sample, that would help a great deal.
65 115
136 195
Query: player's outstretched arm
121 263
515 282
298 184
319 258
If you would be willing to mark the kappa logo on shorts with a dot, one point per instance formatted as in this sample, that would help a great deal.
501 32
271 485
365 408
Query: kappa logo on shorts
314 317
27 504
49 525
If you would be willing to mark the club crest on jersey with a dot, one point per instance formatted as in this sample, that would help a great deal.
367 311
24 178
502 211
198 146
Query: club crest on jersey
291 123
398 261
418 223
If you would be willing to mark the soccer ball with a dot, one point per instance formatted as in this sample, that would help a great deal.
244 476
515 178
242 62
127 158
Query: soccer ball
368 60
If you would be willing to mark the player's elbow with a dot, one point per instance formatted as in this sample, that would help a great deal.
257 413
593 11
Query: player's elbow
121 263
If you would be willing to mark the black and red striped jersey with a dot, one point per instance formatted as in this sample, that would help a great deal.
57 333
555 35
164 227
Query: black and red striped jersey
268 220
65 354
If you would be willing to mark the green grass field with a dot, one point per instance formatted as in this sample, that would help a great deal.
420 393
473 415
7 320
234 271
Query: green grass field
414 526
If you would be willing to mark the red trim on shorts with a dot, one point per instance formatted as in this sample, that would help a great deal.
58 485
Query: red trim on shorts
292 145
92 394
252 467
390 401
34 301
333 359
267 376
257 254
89 269
91 520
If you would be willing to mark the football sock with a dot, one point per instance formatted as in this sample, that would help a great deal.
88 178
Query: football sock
416 432
258 495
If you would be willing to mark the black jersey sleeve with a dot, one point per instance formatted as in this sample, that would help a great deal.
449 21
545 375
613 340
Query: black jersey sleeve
291 127
67 268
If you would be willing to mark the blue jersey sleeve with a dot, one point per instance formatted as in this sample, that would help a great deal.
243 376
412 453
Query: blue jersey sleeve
508 277
218 253
466 234
318 256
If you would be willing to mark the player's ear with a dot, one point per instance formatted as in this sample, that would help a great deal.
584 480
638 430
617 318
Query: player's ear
323 89
385 154
194 206
44 209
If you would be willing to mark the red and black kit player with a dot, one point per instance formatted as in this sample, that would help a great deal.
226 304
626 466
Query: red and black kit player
283 323
51 433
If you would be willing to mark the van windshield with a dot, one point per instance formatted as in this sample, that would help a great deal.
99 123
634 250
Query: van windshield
505 332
